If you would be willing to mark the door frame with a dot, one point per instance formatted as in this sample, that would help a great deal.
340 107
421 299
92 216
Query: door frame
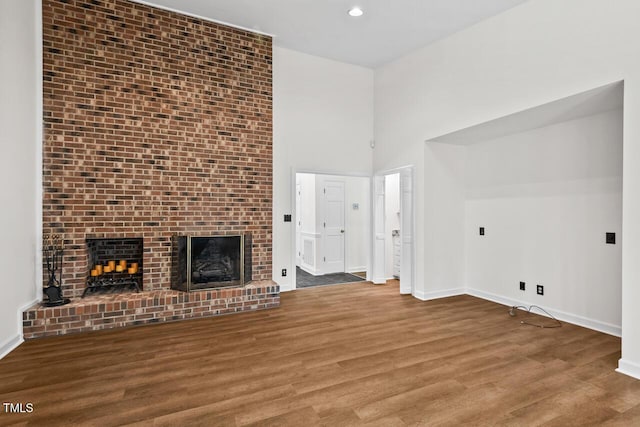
408 261
292 190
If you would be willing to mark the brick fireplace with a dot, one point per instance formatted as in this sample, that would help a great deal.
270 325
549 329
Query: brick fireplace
156 124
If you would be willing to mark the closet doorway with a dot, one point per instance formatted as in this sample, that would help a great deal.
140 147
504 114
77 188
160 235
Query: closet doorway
394 228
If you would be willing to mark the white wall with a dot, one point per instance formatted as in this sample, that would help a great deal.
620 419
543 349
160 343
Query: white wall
20 151
322 122
546 198
444 198
537 52
391 218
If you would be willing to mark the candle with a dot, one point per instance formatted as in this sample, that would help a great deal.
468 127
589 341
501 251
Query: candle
134 265
123 263
132 270
107 269
119 268
98 268
94 273
112 265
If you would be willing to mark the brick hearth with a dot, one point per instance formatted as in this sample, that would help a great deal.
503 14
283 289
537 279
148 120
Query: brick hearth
120 310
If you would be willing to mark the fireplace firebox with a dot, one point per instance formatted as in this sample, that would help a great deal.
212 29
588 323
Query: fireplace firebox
115 265
210 262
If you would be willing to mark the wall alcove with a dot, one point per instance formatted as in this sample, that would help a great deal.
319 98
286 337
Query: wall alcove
546 186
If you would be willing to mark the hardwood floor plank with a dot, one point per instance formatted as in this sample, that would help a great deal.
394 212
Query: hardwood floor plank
628 418
392 421
394 404
342 418
305 416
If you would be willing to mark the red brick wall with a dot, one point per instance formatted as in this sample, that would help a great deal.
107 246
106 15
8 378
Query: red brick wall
155 124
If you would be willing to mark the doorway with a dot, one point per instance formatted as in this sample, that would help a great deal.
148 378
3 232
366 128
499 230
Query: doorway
393 228
392 248
332 218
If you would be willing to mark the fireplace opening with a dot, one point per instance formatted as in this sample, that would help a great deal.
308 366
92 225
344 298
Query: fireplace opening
115 265
210 262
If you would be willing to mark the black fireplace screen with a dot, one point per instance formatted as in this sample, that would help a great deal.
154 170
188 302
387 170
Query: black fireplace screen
210 262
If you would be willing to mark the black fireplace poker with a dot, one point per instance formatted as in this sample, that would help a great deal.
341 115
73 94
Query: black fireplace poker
52 249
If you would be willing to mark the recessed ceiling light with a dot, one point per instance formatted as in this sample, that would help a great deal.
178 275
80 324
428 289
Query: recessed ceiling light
355 11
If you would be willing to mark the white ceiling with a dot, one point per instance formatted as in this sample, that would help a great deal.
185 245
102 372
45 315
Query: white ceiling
388 29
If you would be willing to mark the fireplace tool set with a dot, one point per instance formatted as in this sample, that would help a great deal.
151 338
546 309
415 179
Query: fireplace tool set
52 249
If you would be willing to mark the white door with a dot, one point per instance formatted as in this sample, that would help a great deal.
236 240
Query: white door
298 227
378 275
406 231
333 227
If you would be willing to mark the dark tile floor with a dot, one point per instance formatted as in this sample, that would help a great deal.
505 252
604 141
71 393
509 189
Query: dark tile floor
306 280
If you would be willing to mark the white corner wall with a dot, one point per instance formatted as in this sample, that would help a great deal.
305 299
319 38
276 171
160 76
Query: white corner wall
546 198
444 214
20 151
322 122
532 54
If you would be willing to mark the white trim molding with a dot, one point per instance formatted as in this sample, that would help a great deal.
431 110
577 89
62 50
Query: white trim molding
427 296
204 18
629 368
11 345
574 319
287 288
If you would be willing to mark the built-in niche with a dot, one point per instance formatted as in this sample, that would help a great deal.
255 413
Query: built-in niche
545 184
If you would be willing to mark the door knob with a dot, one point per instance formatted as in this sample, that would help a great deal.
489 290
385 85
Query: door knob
342 231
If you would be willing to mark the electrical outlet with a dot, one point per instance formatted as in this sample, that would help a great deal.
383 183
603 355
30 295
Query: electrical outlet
284 272
540 290
287 217
522 286
611 238
482 231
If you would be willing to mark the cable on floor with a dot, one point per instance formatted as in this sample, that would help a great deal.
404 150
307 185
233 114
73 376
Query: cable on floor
512 313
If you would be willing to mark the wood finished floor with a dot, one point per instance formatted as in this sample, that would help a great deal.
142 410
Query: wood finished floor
341 355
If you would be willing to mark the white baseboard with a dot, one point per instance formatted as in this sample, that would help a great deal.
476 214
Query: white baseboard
379 280
629 368
356 269
11 344
310 269
596 325
286 288
426 296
